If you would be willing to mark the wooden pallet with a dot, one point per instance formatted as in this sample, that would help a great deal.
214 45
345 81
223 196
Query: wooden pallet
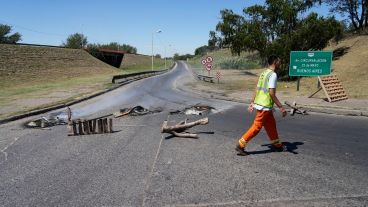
332 88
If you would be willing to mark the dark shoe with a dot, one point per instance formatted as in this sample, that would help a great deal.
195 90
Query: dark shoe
241 152
279 149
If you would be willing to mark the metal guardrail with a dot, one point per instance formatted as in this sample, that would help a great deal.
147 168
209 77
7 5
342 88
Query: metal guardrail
137 75
38 45
205 78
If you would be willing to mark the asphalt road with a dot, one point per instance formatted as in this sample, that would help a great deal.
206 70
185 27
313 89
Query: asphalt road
325 165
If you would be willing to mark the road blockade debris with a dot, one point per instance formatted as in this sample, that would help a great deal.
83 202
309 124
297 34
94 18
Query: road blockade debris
205 78
98 125
294 109
178 130
194 110
91 126
136 111
44 122
51 120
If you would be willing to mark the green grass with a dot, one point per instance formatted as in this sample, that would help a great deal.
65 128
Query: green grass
223 59
79 86
238 63
140 63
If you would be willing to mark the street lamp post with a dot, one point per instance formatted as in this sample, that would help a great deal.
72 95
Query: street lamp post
158 31
165 58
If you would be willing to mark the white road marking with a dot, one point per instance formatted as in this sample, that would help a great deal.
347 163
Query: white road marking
6 147
148 179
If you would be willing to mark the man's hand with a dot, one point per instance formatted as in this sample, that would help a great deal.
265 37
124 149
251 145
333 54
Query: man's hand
250 107
283 111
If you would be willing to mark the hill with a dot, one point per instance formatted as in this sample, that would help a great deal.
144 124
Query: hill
137 63
20 65
349 64
35 77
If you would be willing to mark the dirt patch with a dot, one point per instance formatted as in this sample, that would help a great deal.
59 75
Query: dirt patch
233 83
239 86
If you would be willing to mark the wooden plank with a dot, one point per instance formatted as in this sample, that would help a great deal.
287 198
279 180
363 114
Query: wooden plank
86 127
104 124
334 85
333 88
336 93
319 89
338 96
94 123
72 129
340 99
110 126
80 127
99 126
324 89
90 124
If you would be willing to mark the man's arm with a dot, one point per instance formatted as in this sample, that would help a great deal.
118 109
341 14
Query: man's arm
277 102
251 105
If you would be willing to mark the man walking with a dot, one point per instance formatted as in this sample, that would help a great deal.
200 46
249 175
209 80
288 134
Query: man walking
263 101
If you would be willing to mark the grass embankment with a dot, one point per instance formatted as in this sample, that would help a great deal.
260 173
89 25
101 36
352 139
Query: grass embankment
349 66
238 73
37 77
139 63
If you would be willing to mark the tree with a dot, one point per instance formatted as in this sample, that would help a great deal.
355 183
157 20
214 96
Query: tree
213 41
117 46
129 49
158 56
182 57
201 50
5 36
357 10
231 29
176 56
277 27
76 41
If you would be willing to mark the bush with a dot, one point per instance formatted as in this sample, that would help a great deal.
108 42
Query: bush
5 36
75 41
236 63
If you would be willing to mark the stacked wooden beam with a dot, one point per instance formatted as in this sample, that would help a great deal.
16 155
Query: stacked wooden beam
92 126
99 125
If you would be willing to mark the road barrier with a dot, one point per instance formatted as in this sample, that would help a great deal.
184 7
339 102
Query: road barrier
205 78
136 76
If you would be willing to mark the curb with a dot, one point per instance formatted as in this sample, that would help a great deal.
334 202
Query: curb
308 108
59 106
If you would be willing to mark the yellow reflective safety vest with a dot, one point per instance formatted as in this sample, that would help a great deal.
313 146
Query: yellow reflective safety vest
263 97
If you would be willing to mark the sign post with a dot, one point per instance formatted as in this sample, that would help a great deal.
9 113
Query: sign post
207 62
218 76
317 63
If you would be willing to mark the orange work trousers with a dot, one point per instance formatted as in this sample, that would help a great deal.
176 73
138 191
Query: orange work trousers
266 119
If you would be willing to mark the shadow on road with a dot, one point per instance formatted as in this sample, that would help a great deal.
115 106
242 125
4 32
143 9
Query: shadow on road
172 136
289 147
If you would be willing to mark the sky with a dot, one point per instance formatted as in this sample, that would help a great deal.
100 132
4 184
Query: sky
185 25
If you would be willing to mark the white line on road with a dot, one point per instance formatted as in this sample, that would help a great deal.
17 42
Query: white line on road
148 179
6 147
273 201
